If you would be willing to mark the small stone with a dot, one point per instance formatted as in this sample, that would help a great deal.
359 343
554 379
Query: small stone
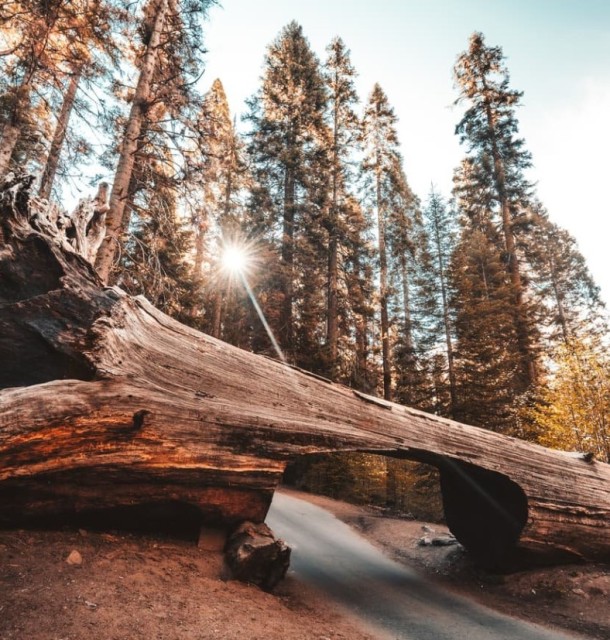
443 541
74 558
256 556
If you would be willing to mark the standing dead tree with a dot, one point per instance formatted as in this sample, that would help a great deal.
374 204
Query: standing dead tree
106 404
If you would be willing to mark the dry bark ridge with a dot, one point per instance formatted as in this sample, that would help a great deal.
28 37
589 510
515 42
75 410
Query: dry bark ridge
108 405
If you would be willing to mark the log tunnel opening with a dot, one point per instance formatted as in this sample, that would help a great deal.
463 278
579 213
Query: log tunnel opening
485 510
398 486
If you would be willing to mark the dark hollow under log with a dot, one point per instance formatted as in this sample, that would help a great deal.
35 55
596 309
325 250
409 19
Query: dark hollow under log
107 403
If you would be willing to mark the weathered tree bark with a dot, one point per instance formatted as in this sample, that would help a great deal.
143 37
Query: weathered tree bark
50 169
108 403
332 304
116 222
8 141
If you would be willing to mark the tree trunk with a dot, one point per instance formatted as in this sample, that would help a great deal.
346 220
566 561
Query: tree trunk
11 131
50 169
361 378
383 290
10 136
446 323
200 236
561 316
332 319
115 220
107 404
332 324
286 328
217 324
406 302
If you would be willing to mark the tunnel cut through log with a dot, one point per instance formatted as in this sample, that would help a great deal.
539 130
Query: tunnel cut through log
107 403
485 511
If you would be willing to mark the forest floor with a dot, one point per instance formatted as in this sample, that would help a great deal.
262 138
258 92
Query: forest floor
127 586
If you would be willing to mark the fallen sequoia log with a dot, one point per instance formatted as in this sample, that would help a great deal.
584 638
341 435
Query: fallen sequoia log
107 404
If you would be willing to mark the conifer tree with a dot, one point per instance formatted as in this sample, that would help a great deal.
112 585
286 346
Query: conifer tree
343 127
286 147
218 177
59 135
153 258
168 62
441 232
570 301
51 41
381 161
487 348
489 129
407 252
32 61
356 336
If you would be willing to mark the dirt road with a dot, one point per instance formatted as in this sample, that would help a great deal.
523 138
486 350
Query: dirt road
393 600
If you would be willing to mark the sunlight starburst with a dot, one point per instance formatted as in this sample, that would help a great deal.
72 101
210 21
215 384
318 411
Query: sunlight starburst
235 259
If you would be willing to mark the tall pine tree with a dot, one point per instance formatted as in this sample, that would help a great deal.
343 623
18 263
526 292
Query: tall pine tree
286 146
381 162
489 129
168 62
344 128
441 235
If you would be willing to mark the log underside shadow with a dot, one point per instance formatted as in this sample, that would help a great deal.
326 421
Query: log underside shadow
107 405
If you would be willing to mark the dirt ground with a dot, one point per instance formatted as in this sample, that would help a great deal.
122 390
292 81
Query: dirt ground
132 587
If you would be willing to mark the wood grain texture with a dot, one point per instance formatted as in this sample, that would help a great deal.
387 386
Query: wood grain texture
106 402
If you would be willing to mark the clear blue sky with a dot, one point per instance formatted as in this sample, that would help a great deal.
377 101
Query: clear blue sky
558 52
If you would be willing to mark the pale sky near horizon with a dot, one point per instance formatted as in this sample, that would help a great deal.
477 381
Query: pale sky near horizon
557 51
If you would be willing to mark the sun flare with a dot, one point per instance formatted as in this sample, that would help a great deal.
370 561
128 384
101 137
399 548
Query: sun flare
234 259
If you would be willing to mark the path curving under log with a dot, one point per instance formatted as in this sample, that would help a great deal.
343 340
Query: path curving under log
108 405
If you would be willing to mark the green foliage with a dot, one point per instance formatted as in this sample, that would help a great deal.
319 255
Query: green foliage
289 166
154 260
440 233
486 354
401 487
569 298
